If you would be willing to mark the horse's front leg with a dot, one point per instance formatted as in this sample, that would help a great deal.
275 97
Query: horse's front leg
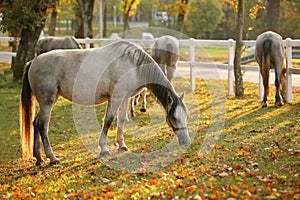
171 71
108 119
283 82
121 123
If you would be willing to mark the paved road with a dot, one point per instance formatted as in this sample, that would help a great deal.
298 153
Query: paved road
222 74
209 73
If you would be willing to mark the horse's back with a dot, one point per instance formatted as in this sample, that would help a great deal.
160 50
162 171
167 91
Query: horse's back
166 50
167 43
51 43
91 73
269 43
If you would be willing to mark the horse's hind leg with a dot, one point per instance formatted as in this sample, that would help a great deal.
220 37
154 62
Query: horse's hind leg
278 98
265 76
37 152
121 123
132 103
41 124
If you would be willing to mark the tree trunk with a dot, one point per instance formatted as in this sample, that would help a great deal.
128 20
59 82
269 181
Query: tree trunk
14 46
105 19
180 17
273 15
26 51
78 25
87 7
239 88
125 25
52 25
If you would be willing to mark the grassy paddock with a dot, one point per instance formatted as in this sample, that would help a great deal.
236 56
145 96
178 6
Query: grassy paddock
255 155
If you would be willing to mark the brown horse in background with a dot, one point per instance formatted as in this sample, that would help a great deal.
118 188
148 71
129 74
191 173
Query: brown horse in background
269 53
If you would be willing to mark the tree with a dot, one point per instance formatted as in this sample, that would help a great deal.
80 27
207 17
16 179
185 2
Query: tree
182 11
53 18
26 18
273 15
202 21
86 8
239 88
290 16
128 8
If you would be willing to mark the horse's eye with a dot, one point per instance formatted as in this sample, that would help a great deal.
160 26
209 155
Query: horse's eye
174 118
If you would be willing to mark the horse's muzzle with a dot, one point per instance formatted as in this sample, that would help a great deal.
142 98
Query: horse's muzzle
184 138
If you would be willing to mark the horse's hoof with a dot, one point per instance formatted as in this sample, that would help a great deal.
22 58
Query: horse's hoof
122 149
279 104
104 154
264 105
143 110
54 162
133 115
39 162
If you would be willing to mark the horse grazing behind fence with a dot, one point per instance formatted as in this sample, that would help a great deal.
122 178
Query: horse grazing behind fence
269 53
165 52
50 43
112 74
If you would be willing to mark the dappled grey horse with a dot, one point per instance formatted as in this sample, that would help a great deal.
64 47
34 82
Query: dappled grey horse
112 74
269 53
50 43
165 52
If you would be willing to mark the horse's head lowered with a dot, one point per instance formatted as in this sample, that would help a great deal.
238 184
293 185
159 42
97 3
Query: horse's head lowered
177 117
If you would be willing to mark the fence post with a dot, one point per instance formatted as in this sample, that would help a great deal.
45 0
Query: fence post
192 60
288 43
231 44
87 43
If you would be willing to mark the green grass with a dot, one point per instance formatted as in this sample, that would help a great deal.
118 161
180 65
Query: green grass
210 54
254 156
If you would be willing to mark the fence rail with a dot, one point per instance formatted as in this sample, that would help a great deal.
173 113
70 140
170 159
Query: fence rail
192 43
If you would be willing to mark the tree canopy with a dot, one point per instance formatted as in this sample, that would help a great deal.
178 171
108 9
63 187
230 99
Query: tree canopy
204 18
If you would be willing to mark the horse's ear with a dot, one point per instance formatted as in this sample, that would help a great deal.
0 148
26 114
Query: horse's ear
170 101
170 98
182 96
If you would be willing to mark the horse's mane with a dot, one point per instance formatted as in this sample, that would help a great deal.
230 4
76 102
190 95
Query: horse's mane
150 74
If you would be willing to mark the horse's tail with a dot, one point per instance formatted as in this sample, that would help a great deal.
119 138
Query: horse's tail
266 61
27 105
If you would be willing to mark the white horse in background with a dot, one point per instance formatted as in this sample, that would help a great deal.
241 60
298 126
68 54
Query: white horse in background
112 74
165 52
269 53
50 43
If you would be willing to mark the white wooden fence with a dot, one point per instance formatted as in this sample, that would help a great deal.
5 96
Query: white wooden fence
230 44
192 43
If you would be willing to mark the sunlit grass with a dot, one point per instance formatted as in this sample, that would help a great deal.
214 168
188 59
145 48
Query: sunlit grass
255 152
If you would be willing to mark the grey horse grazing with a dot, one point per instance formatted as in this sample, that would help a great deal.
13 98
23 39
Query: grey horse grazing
112 74
50 43
165 52
269 53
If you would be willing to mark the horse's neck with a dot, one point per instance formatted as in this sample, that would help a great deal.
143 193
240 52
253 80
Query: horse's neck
160 92
159 85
